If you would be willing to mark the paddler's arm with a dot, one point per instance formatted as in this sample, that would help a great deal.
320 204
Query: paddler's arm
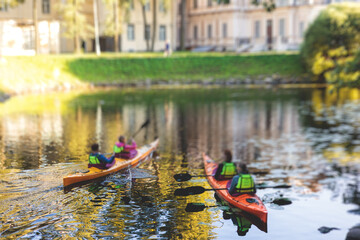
103 159
234 181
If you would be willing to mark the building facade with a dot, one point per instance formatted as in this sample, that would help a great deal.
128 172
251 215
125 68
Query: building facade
136 35
241 26
17 28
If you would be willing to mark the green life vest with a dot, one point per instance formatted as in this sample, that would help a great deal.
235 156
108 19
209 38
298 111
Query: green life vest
118 149
243 224
228 170
245 184
93 159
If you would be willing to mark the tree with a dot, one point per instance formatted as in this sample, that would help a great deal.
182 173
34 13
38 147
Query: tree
145 23
96 27
118 12
182 24
74 22
332 42
36 27
154 23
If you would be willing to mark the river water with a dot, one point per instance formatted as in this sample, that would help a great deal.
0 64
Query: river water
306 137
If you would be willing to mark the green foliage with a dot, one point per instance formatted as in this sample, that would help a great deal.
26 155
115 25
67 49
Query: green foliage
122 11
331 43
268 5
10 3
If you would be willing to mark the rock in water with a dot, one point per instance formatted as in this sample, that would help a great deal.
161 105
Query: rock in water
324 230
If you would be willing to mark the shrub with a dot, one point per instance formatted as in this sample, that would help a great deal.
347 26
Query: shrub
331 43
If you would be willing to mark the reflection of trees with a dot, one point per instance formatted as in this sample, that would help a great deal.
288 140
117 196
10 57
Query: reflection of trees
331 119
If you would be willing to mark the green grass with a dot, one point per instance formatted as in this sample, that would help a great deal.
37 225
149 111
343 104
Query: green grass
59 71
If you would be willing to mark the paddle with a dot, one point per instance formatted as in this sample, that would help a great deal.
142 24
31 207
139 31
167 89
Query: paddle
182 177
196 207
147 122
198 189
194 190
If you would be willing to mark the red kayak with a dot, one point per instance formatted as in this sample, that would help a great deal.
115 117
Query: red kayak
249 203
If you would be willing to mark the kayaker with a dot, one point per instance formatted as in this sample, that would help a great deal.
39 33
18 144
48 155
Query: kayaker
96 159
227 169
242 183
123 150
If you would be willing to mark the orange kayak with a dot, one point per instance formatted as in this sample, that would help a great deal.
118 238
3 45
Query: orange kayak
143 154
249 203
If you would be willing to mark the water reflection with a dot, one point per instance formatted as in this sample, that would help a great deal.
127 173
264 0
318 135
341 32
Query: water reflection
305 137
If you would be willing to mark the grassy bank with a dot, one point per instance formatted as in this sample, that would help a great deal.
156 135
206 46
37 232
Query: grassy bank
20 74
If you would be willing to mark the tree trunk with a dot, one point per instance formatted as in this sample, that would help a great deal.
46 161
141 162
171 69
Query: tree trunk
182 25
153 36
36 27
96 27
1 39
116 25
145 24
76 32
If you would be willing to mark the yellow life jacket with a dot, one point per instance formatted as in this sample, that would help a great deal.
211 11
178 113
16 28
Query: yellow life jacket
118 149
228 171
245 184
93 159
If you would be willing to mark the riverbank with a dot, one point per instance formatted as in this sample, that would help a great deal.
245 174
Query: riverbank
62 72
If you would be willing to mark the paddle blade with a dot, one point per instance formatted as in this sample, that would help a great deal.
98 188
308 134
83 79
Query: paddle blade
283 186
195 190
181 192
195 207
145 123
182 177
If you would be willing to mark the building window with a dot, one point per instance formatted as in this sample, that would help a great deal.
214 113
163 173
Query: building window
131 32
282 27
4 6
28 39
147 5
224 30
131 2
147 32
195 4
257 29
301 29
195 32
162 33
45 6
210 3
209 31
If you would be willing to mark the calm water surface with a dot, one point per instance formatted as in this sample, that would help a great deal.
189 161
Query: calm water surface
308 138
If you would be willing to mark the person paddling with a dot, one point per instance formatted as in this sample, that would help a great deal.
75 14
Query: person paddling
96 159
123 150
242 183
227 169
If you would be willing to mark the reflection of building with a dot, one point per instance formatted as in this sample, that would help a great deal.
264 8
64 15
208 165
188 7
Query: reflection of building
242 26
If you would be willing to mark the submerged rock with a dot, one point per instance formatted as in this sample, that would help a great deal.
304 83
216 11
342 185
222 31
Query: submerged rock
325 230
